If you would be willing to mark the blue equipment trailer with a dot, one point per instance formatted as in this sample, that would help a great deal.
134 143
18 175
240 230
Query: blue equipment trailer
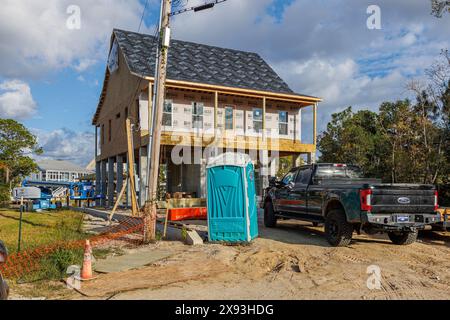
77 191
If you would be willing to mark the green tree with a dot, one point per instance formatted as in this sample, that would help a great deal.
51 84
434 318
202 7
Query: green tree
17 143
353 138
399 144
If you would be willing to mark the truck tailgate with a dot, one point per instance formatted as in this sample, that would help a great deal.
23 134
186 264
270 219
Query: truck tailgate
396 198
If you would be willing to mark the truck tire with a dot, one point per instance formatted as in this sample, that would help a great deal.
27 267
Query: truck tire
403 238
338 231
270 221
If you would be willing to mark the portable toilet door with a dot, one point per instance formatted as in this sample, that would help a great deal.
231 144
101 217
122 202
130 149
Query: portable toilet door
231 200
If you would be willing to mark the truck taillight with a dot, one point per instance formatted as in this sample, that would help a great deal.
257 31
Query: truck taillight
436 201
366 199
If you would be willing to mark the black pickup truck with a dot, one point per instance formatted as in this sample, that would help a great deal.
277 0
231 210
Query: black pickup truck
338 196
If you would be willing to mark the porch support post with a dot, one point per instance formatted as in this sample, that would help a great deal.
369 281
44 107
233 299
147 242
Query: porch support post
202 179
143 176
119 182
274 165
264 119
103 183
128 193
310 158
111 182
315 124
97 182
297 160
313 154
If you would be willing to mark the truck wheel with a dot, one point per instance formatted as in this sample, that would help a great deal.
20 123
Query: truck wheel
270 221
403 238
338 231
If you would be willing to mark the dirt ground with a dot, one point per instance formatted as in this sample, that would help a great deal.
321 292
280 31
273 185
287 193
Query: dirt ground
291 262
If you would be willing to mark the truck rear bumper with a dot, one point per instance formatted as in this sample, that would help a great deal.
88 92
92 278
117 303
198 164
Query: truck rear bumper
403 222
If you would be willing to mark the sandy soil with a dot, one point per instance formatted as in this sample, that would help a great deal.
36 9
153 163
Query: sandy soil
290 262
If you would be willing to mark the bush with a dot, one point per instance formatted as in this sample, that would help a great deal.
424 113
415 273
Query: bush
5 195
444 195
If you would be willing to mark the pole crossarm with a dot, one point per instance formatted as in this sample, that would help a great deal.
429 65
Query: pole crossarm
207 5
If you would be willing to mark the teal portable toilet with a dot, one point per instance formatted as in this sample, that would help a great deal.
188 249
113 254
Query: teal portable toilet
232 207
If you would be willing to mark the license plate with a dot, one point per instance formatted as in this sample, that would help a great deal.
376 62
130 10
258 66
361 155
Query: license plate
402 219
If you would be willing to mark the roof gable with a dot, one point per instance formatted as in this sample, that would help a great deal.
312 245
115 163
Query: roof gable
200 63
59 165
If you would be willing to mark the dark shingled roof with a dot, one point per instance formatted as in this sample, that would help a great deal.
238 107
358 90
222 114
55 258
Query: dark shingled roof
200 63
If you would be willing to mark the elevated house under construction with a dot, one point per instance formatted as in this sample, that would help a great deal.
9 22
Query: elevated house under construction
217 99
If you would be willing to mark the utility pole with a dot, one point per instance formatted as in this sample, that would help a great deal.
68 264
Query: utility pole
155 133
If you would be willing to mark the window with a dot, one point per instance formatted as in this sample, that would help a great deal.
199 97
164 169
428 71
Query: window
257 120
283 123
110 131
289 177
197 115
167 114
339 171
304 175
229 118
126 113
118 116
103 134
52 176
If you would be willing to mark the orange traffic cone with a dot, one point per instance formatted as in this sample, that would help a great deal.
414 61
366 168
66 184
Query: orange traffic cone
86 272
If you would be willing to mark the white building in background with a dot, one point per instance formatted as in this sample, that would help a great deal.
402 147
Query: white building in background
58 170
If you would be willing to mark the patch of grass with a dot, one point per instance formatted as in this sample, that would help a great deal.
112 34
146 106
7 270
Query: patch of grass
54 266
184 233
39 229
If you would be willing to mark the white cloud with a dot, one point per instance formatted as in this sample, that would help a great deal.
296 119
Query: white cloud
340 83
16 100
84 64
324 48
35 39
66 144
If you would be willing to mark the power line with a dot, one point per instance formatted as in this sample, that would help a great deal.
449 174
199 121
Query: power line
143 15
154 38
207 5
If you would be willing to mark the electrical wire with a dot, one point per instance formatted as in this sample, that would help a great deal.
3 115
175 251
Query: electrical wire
154 38
143 16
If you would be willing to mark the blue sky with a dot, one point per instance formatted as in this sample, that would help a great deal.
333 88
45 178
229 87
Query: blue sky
51 77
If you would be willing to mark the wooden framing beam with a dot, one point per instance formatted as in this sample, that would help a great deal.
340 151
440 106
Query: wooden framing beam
131 173
302 101
315 124
249 143
150 106
176 84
